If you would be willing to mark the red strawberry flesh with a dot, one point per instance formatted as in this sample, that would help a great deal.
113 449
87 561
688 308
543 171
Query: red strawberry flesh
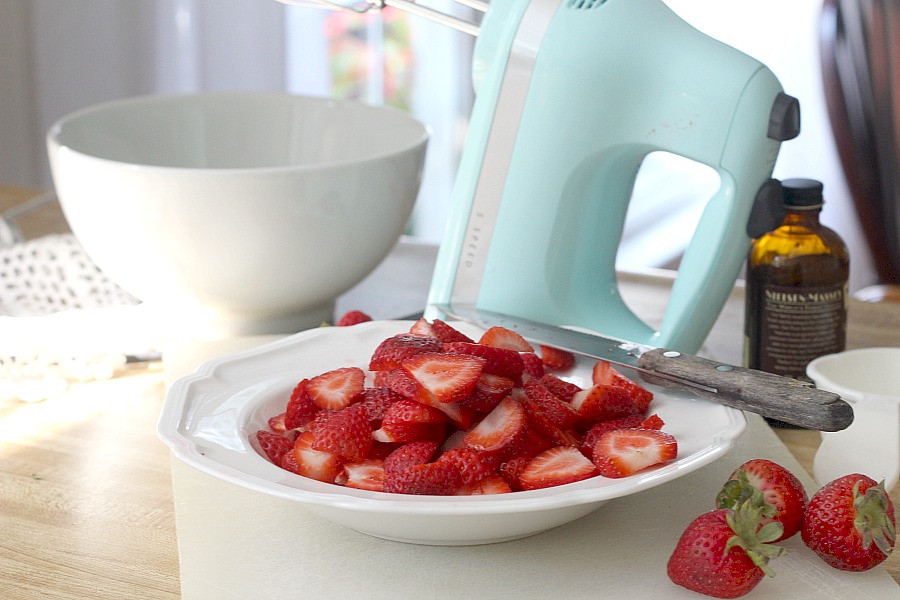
624 452
499 429
445 377
336 389
391 353
501 337
274 445
557 466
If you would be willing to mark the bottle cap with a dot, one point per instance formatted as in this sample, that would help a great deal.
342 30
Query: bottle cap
802 193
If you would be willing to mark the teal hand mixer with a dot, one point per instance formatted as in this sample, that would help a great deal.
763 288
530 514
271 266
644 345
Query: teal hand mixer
571 96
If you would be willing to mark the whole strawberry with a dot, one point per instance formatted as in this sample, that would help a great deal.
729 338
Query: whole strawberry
353 317
772 488
725 553
850 524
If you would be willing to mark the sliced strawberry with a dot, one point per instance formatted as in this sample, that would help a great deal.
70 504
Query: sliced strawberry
300 407
381 450
336 389
274 445
440 330
624 452
492 484
512 469
501 337
497 361
652 422
539 422
500 429
457 439
529 445
461 416
276 423
404 384
604 402
489 391
289 463
422 327
533 367
345 432
376 401
309 462
409 421
562 389
445 377
398 381
353 317
604 373
394 350
447 333
560 413
557 466
473 465
415 453
434 479
598 429
556 359
364 475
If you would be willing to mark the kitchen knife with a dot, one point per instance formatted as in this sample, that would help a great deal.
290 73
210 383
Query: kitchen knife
789 400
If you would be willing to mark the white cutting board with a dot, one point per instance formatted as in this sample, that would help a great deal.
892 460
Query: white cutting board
239 544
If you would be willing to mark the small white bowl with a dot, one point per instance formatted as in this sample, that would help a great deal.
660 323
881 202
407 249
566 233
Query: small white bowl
256 210
869 379
210 420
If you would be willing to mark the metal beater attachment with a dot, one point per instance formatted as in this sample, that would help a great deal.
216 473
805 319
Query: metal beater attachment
410 6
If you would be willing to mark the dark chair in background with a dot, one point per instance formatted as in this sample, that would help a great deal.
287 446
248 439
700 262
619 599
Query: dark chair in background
860 51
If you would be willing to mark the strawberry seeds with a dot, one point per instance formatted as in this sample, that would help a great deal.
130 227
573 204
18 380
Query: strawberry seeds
448 415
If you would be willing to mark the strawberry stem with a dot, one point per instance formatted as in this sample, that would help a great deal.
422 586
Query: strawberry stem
872 520
738 490
754 540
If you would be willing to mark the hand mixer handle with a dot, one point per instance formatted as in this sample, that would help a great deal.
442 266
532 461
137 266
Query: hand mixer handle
712 260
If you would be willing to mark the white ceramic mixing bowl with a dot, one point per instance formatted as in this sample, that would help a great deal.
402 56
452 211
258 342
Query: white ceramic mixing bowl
250 212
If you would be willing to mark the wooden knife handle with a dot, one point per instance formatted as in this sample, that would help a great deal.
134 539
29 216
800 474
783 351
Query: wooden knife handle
782 398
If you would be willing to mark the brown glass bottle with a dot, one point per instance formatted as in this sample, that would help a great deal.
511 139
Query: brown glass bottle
796 297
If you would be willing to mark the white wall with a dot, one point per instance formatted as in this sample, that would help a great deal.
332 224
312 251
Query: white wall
783 35
57 56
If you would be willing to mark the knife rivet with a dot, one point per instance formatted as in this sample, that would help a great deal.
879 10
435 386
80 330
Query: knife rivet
671 354
724 368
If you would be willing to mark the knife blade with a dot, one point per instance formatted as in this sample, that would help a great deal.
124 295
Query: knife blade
789 400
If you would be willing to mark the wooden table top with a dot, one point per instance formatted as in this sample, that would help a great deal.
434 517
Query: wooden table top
45 219
86 490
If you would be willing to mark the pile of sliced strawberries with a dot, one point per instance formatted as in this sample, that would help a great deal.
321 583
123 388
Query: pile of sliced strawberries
448 415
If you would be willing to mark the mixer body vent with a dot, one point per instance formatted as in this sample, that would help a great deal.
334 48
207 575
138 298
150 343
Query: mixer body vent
584 4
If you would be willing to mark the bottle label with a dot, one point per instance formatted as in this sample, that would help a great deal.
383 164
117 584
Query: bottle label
800 324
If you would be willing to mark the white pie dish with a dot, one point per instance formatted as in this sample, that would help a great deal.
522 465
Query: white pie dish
210 418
